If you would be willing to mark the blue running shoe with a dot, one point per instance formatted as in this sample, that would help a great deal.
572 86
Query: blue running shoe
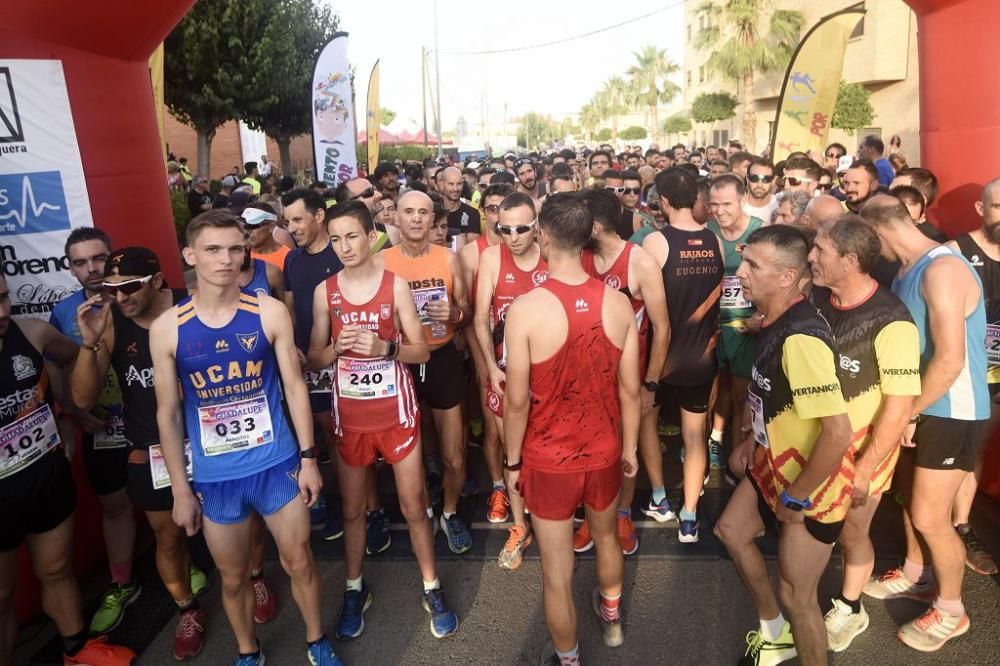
334 528
352 614
443 621
321 654
255 659
662 512
378 538
470 488
688 532
459 539
317 512
716 460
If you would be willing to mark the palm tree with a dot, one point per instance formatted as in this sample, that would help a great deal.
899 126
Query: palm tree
589 119
614 94
742 46
648 79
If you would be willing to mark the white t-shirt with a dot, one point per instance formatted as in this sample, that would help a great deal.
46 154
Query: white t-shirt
761 212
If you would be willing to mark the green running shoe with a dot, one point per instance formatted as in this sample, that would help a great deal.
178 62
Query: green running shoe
199 581
112 609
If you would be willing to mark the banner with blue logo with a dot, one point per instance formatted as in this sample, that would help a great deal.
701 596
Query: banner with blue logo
43 193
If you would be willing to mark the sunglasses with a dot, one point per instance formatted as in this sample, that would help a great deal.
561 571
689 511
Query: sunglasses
795 182
370 192
631 190
825 186
653 205
759 178
492 208
520 230
128 287
483 186
616 190
833 156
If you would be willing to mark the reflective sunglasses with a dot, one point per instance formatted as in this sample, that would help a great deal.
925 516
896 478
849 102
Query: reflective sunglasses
521 229
825 186
759 178
631 190
616 190
795 182
370 192
128 287
492 208
653 205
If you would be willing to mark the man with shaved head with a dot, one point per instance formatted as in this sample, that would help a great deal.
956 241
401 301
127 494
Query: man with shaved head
822 211
464 221
945 299
982 249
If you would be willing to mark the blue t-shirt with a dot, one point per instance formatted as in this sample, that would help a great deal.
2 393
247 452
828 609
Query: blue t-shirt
885 172
303 271
63 315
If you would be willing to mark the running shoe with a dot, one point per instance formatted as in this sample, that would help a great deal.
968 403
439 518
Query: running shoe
977 557
189 637
321 654
843 625
512 554
459 539
334 527
688 531
470 488
317 512
667 429
444 622
113 604
99 652
199 581
762 652
582 542
378 538
255 659
496 511
352 614
614 636
894 584
661 512
625 529
716 459
265 603
933 629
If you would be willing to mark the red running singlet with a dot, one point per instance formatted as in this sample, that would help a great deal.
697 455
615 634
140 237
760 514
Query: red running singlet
511 283
369 394
617 277
575 419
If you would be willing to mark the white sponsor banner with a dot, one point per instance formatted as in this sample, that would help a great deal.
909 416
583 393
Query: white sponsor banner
253 144
43 193
333 115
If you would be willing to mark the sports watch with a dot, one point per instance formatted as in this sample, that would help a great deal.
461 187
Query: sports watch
652 387
790 502
309 453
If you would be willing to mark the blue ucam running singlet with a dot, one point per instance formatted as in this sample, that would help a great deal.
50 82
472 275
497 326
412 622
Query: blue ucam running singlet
232 398
258 284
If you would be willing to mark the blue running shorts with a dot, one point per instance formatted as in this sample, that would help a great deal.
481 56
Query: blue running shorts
267 491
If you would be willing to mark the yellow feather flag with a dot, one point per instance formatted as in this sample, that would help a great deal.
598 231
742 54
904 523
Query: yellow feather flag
156 79
809 92
374 118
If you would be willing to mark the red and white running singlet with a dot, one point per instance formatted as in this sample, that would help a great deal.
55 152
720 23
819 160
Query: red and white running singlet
369 394
511 283
617 277
575 419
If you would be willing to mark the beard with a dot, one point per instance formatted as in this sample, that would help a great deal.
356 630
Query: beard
992 232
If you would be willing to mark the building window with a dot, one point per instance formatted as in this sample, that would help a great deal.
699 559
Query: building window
701 74
689 78
868 131
720 138
689 33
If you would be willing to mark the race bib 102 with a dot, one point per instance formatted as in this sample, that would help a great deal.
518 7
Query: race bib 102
26 440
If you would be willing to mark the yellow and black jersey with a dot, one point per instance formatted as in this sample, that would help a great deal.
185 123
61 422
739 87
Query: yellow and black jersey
794 384
879 349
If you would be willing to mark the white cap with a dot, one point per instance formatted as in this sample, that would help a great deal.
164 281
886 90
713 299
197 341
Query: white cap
845 163
474 165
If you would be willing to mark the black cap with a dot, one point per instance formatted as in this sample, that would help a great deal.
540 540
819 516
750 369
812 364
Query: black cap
239 200
139 261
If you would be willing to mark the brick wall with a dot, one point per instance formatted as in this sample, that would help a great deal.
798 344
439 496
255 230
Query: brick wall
182 141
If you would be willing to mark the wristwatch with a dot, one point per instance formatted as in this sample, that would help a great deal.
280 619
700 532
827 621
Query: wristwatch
392 349
309 453
652 387
511 468
790 502
96 347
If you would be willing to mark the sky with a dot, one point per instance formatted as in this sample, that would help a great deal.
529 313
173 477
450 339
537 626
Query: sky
553 80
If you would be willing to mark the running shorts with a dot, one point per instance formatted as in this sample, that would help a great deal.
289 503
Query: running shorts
555 495
360 449
36 499
266 492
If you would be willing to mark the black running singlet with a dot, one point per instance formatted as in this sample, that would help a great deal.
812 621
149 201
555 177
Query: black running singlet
624 227
132 362
692 279
988 270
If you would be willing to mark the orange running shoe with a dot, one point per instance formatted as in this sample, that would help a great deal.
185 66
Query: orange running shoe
512 555
625 529
581 538
98 652
497 506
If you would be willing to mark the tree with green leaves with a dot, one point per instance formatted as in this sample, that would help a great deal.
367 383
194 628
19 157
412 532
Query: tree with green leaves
537 129
747 38
650 83
589 119
603 134
387 116
615 101
633 133
712 107
210 63
853 110
280 99
677 124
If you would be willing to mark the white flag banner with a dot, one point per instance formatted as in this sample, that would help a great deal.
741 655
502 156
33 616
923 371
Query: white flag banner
43 193
333 115
253 144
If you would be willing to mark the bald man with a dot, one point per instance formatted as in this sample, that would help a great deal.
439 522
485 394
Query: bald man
822 211
463 220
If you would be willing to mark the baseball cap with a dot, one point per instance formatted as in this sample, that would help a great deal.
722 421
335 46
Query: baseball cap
845 163
230 181
254 217
474 165
139 261
239 200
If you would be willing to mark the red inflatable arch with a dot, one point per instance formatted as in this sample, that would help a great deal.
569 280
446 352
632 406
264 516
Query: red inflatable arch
104 48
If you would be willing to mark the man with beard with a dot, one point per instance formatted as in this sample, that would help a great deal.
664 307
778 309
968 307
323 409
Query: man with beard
464 221
981 248
801 174
387 180
600 161
860 184
760 201
527 179
627 223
